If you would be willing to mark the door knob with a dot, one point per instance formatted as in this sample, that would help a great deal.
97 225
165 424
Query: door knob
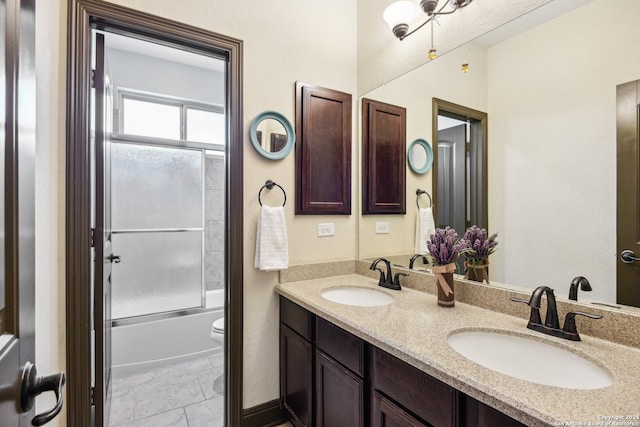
627 256
114 258
33 385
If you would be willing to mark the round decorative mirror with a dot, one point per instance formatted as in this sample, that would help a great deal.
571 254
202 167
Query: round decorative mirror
272 135
420 156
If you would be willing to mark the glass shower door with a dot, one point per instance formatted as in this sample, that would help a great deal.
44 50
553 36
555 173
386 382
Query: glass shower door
158 228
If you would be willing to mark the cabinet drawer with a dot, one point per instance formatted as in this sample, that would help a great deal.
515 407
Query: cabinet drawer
297 318
341 345
426 397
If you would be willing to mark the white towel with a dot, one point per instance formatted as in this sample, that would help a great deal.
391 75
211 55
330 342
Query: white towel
272 248
425 227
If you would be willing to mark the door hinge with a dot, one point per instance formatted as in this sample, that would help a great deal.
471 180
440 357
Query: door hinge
93 394
93 237
93 79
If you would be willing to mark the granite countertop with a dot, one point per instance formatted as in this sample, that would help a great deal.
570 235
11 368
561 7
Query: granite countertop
415 329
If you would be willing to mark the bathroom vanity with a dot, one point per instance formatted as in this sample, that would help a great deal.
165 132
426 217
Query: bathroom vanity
354 383
390 365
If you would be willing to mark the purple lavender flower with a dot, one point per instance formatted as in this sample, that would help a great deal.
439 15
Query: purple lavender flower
479 246
445 246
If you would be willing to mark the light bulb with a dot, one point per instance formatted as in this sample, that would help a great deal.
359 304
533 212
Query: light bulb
465 67
432 53
398 15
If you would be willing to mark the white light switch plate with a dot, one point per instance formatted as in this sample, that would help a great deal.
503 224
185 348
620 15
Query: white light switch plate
326 229
382 228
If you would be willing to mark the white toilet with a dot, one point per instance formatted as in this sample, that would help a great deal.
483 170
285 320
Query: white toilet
217 331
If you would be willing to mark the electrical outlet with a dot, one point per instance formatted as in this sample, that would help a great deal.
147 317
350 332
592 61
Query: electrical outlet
326 229
382 228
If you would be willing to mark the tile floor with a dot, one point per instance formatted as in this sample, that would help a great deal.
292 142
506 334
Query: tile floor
187 394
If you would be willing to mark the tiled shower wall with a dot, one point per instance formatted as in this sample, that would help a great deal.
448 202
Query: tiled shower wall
214 222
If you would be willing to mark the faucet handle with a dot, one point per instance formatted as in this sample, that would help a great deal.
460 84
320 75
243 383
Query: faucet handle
570 321
534 317
396 279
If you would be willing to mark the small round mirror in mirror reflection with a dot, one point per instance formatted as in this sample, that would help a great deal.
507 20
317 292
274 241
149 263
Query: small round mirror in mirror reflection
420 156
272 135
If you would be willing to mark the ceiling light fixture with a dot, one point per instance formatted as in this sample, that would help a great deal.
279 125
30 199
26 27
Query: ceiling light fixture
398 15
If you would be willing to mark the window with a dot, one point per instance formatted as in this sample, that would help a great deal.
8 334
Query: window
150 119
154 116
205 126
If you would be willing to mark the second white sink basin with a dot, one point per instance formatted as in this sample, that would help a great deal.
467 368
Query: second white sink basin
354 295
529 359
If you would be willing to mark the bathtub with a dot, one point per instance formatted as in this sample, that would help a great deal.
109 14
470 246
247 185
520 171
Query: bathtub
166 341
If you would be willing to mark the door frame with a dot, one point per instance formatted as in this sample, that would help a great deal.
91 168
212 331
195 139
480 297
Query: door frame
436 106
81 14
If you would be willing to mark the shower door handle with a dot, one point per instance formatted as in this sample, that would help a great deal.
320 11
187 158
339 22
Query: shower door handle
114 258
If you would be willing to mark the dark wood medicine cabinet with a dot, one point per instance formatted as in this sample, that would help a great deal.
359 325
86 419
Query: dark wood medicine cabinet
384 158
323 151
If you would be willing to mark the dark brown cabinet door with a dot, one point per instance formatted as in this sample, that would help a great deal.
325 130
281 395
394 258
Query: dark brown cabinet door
384 146
339 395
323 151
296 376
385 413
477 414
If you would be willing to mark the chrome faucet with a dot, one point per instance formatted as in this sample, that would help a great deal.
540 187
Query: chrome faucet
573 289
415 257
551 324
387 280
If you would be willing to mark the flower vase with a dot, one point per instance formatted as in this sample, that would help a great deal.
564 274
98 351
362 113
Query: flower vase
477 272
444 276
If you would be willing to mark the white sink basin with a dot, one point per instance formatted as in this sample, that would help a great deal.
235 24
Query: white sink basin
530 360
353 295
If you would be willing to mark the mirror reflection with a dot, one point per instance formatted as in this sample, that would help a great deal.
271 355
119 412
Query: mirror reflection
271 135
549 89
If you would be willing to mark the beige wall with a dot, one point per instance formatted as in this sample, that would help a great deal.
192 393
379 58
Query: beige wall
284 41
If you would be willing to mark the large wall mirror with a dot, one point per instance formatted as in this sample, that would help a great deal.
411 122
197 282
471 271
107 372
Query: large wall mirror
548 84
